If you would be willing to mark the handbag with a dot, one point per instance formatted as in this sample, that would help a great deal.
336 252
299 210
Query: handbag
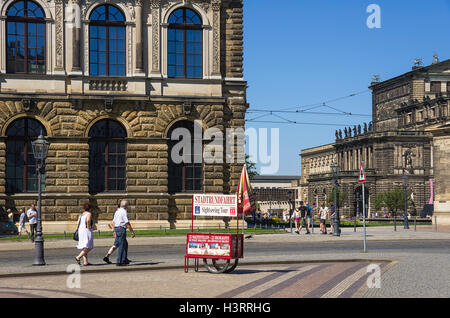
75 235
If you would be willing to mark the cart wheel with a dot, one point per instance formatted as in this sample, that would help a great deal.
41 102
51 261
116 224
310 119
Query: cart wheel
217 266
233 267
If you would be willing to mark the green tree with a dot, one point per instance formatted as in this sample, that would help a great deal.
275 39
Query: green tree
340 197
251 167
392 200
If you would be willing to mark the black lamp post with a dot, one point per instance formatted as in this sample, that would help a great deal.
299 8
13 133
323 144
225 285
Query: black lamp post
405 213
40 150
334 170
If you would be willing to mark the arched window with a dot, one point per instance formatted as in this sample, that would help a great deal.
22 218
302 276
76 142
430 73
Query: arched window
107 41
25 38
20 164
185 44
107 156
186 163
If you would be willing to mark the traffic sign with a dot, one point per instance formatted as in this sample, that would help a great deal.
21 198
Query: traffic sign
362 174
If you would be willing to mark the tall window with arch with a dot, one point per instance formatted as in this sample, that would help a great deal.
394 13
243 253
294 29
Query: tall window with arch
185 158
185 44
107 157
107 41
21 173
25 38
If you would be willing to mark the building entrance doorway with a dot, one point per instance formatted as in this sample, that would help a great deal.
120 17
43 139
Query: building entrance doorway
358 202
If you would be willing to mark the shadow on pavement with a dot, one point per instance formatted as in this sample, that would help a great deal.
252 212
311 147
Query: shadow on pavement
249 271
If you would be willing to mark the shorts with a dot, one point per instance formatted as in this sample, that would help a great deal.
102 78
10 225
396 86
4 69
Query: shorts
323 221
303 222
22 228
297 219
308 220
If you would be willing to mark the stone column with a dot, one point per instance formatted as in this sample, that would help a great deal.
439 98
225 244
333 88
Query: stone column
216 5
156 48
76 35
59 35
138 12
441 142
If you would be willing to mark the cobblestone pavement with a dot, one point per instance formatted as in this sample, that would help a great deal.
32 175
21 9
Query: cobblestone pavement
414 264
403 274
280 281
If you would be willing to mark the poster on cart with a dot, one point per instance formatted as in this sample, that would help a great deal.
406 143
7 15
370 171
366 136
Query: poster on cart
215 205
214 245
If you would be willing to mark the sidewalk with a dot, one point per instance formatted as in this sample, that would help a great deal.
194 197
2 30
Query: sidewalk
348 234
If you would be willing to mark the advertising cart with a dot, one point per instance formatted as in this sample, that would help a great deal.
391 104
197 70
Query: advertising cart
220 252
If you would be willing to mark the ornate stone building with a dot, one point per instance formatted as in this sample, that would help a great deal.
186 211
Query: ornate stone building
107 82
399 143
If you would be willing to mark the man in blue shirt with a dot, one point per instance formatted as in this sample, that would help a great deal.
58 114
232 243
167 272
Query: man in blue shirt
308 216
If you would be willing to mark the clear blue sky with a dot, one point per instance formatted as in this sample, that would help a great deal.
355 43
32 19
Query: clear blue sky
300 52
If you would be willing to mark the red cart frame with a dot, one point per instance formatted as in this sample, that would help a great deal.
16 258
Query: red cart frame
213 246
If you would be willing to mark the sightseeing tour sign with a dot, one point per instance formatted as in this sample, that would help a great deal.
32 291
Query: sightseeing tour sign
215 205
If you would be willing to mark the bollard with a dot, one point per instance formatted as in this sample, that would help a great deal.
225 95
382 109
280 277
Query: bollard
435 223
64 234
415 223
98 233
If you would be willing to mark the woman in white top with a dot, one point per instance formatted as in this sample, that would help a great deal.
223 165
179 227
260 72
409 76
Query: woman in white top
85 237
323 214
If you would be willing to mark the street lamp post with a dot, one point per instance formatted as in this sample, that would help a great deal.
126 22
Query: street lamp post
334 170
405 213
40 150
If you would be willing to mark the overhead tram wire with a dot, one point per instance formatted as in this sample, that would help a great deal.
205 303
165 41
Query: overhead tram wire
298 123
330 101
301 110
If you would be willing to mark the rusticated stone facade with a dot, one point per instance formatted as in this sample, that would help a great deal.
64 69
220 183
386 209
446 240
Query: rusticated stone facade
407 111
67 101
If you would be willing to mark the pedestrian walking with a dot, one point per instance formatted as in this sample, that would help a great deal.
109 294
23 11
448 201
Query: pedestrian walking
323 214
114 247
85 236
303 211
121 224
331 216
10 224
32 220
308 217
22 222
296 216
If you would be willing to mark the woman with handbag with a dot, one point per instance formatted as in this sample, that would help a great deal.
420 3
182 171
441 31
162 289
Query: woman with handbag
85 237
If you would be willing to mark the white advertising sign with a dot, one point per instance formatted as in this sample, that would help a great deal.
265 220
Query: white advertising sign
215 205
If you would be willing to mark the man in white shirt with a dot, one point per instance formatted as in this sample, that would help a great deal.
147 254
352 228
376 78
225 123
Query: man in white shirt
22 222
32 220
120 225
323 214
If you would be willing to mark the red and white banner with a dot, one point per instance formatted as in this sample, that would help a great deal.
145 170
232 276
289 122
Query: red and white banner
245 193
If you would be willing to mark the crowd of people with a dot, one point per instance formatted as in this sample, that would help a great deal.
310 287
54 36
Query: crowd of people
302 217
